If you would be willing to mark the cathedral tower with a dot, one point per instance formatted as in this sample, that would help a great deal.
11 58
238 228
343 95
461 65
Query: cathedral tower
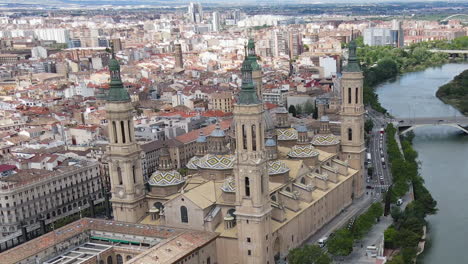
125 170
253 209
257 74
352 115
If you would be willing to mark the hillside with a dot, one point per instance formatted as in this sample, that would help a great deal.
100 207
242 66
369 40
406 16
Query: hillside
455 92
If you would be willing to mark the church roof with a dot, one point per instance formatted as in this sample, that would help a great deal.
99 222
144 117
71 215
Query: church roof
303 151
325 140
218 132
166 178
270 142
216 162
276 167
286 134
229 185
192 163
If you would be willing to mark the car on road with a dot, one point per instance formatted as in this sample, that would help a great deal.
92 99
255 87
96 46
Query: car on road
322 241
441 120
399 202
369 187
384 166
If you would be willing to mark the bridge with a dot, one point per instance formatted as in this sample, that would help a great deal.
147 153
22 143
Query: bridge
407 124
452 53
454 15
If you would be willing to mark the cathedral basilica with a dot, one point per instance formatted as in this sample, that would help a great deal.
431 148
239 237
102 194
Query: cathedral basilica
264 186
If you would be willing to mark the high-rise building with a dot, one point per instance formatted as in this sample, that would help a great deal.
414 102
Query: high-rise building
179 60
195 12
126 176
253 210
397 33
278 43
116 44
352 114
215 20
295 44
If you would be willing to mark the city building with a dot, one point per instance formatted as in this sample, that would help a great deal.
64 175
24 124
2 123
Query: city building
105 242
195 12
215 21
47 188
277 194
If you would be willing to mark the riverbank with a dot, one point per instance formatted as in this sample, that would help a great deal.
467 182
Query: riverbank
455 92
408 229
441 153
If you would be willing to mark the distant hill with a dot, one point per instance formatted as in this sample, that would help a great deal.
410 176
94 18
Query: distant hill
455 92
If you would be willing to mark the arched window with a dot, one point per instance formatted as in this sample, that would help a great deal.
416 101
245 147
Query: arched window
303 181
350 134
119 259
101 262
273 198
128 258
109 260
288 189
158 205
349 95
183 214
356 98
129 132
114 127
254 138
232 212
134 173
247 186
244 137
122 126
119 175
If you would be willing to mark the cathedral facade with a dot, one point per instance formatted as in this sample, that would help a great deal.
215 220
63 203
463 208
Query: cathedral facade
264 189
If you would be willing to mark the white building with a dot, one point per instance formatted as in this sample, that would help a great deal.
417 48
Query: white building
329 66
378 36
39 52
215 20
58 34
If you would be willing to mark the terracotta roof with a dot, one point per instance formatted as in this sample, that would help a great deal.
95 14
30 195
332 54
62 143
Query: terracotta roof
193 135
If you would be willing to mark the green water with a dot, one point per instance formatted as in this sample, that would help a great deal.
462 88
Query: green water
443 153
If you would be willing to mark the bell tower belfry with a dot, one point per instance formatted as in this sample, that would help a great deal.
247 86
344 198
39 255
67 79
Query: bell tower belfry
352 115
253 209
127 185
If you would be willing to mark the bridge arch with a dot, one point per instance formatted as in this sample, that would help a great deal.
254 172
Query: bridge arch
408 129
454 15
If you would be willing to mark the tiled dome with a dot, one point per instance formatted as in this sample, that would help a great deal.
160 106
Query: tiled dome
229 185
166 178
216 162
325 140
286 134
276 167
270 142
303 151
192 163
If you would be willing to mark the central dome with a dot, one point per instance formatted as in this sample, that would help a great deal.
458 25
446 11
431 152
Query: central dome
216 162
303 151
166 178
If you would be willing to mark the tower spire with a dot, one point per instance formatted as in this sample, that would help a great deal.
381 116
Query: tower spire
353 63
117 92
248 94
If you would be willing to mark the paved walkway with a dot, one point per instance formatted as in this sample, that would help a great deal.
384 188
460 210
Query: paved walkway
356 208
373 238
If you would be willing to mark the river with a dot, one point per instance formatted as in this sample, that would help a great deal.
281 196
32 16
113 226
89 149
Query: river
443 153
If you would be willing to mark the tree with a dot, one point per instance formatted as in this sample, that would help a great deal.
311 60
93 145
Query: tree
396 213
341 244
292 110
309 107
299 109
310 254
315 113
398 259
368 125
390 236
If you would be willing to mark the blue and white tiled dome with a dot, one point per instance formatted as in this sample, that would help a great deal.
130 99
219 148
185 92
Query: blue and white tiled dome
229 185
276 167
303 151
192 163
166 178
216 162
286 134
